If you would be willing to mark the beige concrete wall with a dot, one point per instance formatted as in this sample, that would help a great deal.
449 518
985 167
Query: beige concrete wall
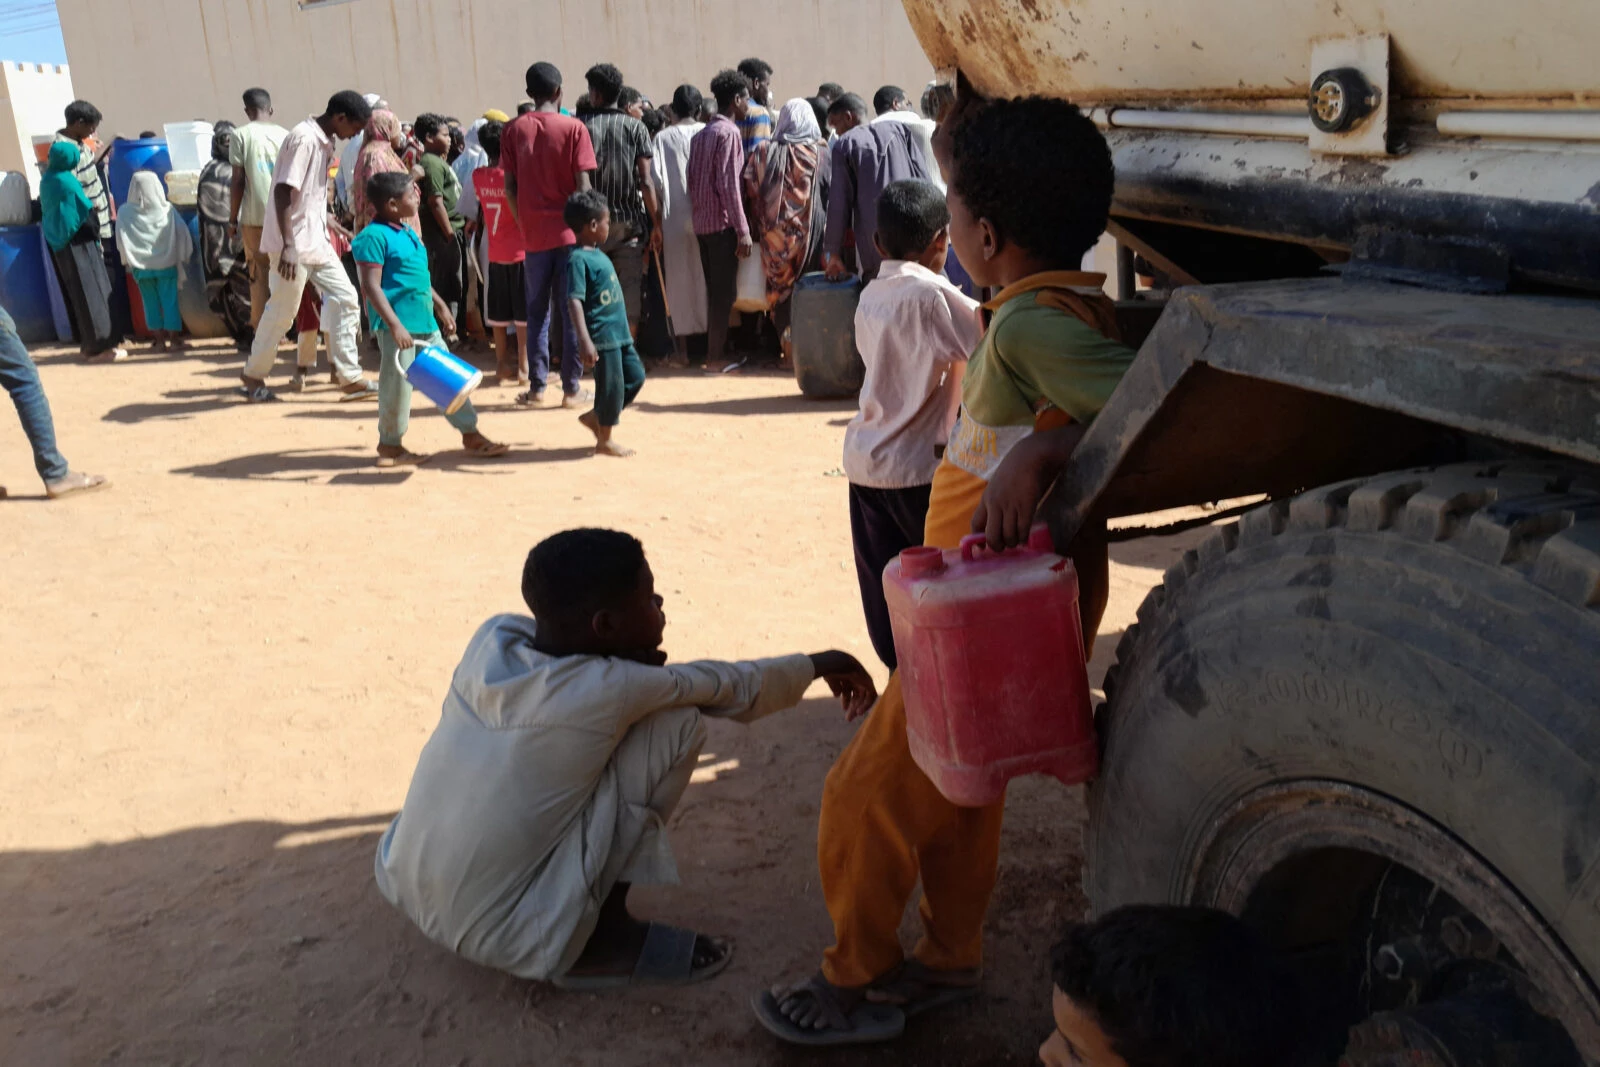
146 62
32 99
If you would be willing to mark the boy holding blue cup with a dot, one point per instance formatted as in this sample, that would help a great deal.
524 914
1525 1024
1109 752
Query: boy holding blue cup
406 313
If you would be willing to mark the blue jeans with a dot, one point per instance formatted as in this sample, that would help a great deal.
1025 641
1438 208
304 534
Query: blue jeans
545 276
21 379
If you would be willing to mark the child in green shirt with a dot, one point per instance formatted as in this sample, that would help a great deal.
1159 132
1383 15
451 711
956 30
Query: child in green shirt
402 304
600 317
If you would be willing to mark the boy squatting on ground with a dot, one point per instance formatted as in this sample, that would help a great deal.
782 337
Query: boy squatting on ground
914 330
1030 190
565 744
600 318
1148 986
403 304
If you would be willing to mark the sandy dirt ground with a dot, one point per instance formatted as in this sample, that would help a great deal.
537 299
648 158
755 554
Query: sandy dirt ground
216 676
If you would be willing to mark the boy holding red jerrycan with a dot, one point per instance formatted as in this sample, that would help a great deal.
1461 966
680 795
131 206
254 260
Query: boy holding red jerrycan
1030 191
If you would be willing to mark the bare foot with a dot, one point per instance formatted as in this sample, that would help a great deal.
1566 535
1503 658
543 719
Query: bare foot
611 448
591 422
160 345
180 345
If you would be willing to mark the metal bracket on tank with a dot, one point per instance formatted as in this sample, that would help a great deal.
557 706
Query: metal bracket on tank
1349 97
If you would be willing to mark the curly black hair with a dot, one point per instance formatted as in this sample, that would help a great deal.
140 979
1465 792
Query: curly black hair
575 573
1005 150
583 207
606 80
428 123
1183 987
726 87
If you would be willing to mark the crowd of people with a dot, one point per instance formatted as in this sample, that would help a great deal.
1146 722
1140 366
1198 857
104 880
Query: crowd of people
567 739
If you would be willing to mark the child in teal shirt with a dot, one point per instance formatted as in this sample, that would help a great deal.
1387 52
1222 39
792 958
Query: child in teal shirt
403 304
601 319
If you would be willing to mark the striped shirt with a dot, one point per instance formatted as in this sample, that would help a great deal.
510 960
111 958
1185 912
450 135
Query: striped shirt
89 177
716 159
620 141
756 127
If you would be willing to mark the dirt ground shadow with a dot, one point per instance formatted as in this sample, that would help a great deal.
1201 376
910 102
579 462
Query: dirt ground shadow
268 943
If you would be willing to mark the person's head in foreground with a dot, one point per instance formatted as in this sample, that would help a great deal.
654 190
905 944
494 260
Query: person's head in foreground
257 104
82 119
890 98
593 594
346 114
1149 986
846 113
432 132
588 216
1030 188
914 224
731 90
543 85
605 86
759 74
394 197
686 103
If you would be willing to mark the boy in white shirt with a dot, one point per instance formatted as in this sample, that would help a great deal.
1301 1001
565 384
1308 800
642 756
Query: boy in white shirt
565 744
914 330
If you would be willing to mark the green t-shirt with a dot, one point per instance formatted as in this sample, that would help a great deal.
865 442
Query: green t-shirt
406 282
439 180
253 148
592 279
1032 357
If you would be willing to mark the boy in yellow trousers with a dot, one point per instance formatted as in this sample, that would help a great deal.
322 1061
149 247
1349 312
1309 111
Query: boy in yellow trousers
1030 191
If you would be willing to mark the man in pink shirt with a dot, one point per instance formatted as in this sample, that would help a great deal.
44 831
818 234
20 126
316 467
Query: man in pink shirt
716 161
546 156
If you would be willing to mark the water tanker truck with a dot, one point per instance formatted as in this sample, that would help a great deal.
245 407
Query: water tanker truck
1365 713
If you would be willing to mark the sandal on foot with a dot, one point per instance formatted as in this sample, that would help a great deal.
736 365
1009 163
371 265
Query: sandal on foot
915 988
73 482
532 398
366 389
406 458
487 450
667 958
864 1023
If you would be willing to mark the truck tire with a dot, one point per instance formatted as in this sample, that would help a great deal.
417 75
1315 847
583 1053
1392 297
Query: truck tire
1399 672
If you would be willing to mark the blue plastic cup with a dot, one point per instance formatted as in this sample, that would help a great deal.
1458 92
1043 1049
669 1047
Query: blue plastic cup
442 378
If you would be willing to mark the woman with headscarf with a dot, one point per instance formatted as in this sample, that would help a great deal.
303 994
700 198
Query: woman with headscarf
786 186
155 244
221 257
385 139
73 235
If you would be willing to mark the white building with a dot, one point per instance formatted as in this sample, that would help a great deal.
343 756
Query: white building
32 99
156 61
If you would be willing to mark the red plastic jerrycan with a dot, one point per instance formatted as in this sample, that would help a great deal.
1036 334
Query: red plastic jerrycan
991 666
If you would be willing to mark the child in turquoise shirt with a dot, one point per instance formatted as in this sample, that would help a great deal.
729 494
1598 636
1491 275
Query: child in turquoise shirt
601 319
403 306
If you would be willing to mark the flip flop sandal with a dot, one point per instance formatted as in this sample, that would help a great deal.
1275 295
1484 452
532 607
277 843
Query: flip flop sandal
866 1023
912 988
74 483
667 959
489 449
368 391
404 459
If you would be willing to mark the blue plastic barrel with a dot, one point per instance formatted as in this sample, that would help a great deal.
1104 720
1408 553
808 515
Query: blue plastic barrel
443 378
128 157
24 290
823 332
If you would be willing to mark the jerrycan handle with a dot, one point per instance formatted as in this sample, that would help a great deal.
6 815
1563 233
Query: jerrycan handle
1039 540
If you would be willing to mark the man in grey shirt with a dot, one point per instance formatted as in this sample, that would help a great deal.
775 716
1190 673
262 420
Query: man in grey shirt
867 158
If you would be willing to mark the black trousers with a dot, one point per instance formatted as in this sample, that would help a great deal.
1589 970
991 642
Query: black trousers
719 256
883 523
445 265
